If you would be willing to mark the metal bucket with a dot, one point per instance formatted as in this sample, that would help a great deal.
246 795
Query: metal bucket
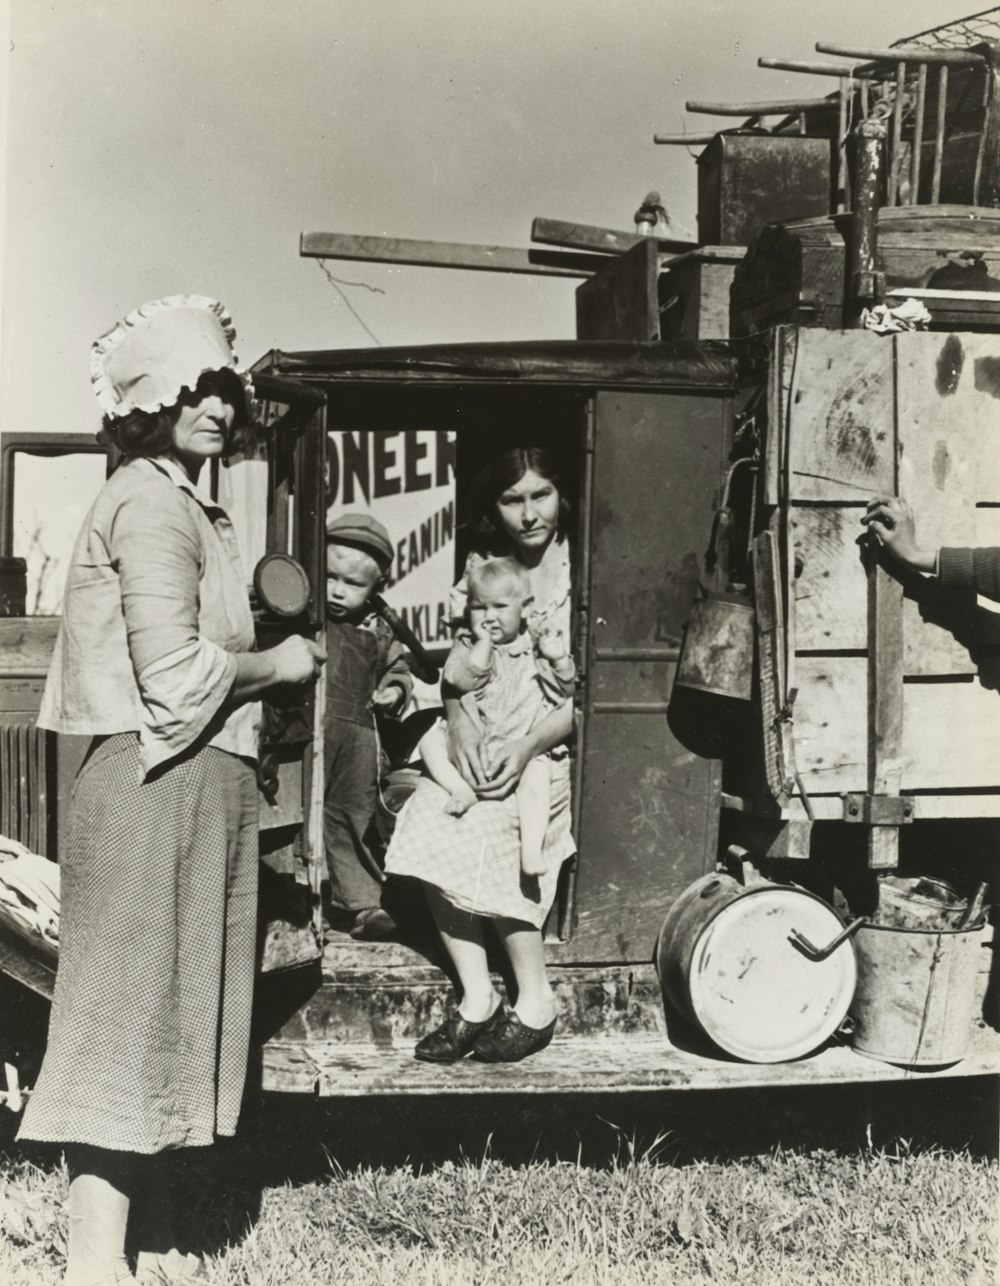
916 994
717 654
730 959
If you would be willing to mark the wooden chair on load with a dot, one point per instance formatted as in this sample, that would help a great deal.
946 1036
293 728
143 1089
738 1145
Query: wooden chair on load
943 105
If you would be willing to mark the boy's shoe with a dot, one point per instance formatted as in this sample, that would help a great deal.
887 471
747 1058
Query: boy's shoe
373 924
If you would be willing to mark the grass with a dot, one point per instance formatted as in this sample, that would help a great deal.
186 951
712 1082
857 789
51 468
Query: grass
554 1192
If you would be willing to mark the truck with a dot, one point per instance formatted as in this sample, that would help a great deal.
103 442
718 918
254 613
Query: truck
760 692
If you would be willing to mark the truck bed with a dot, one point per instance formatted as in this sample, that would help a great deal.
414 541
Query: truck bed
354 1035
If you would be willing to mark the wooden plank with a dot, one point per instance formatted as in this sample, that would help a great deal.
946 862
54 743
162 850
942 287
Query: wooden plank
683 140
622 300
918 132
948 386
26 644
939 130
579 1066
944 632
777 729
885 705
837 391
950 733
895 150
447 254
918 54
951 736
830 808
584 236
699 307
771 107
830 598
949 461
781 339
816 69
20 698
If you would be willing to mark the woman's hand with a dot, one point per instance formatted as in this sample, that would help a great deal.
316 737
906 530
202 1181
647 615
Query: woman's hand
892 521
465 747
505 769
297 659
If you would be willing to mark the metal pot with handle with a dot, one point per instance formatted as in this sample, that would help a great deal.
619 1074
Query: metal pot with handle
767 971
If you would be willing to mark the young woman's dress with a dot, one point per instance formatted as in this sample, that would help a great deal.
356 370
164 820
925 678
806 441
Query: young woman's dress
475 860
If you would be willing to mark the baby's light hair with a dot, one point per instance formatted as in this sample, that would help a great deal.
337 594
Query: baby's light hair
492 570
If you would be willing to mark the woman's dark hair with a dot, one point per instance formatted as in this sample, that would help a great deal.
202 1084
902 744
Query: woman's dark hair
151 433
499 476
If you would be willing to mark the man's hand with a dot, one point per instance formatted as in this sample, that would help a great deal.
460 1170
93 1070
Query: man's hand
892 521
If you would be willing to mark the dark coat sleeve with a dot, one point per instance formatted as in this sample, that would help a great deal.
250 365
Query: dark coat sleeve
977 569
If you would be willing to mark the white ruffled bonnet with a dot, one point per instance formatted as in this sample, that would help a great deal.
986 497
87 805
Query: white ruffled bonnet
161 349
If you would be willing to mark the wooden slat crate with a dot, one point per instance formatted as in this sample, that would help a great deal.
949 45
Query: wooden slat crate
854 414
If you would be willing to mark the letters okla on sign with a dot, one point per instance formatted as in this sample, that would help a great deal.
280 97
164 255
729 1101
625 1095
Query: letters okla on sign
407 481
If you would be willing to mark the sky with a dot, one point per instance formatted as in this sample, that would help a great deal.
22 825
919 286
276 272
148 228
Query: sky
156 148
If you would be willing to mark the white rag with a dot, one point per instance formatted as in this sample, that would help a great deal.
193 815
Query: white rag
29 889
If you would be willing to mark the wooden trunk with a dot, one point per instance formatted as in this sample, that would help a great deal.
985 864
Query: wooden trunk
796 272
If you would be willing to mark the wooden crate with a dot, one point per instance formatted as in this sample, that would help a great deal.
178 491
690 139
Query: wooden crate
853 415
643 294
694 293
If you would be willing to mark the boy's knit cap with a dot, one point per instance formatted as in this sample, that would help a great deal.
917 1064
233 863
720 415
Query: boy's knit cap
363 531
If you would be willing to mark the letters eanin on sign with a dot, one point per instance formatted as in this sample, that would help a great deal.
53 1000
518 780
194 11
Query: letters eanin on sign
407 481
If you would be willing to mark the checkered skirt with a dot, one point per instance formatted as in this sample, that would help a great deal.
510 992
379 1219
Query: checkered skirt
150 1024
475 860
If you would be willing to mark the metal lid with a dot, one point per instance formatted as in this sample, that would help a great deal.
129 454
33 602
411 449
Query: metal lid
754 992
282 585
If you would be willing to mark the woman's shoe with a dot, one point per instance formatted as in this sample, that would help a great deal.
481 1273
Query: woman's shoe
456 1037
513 1040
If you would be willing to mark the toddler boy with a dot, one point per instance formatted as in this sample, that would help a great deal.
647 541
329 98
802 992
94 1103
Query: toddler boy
366 669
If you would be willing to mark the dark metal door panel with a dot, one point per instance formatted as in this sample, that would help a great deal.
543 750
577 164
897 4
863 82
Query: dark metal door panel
649 807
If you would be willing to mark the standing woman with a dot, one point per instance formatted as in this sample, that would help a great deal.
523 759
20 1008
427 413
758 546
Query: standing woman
470 866
150 1023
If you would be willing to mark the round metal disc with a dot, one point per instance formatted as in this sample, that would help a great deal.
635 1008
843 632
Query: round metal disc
755 993
282 585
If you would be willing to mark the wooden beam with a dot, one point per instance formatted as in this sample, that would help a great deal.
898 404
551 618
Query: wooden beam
773 107
447 254
815 69
683 140
955 57
583 236
885 705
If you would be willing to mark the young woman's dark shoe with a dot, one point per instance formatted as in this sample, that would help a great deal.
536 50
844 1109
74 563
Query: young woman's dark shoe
456 1037
512 1040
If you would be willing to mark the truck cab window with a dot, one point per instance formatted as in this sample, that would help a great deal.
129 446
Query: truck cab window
47 493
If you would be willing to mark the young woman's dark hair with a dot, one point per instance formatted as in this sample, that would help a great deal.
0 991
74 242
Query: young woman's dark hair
151 433
501 473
